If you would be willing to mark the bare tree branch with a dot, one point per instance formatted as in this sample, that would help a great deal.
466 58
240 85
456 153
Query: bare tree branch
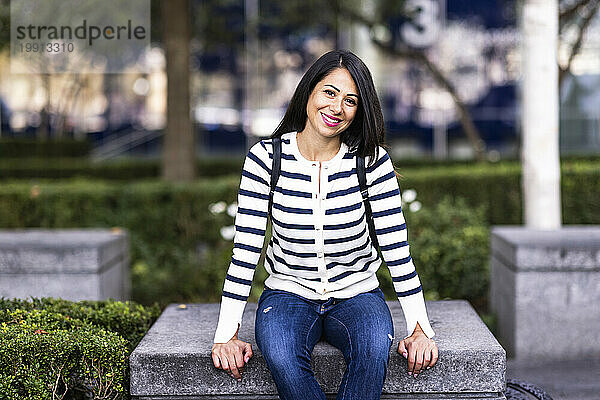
403 51
571 10
583 25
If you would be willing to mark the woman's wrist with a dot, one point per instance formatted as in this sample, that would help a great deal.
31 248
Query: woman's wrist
418 329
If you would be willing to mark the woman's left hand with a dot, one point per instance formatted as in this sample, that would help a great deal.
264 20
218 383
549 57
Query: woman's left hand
420 351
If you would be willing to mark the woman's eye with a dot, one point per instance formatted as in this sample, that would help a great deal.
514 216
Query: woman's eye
329 92
351 101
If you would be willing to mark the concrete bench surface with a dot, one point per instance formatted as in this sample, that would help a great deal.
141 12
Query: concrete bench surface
173 361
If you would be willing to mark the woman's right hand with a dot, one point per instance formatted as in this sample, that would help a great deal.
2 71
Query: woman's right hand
232 356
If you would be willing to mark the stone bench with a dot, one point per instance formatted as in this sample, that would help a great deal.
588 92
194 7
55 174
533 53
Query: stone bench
173 361
72 264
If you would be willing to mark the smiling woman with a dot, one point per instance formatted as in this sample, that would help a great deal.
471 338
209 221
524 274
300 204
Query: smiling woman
320 259
337 91
336 106
330 110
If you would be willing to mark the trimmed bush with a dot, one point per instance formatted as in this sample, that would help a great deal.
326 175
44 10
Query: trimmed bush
129 319
60 168
28 148
499 190
126 169
448 245
119 170
55 349
452 242
178 254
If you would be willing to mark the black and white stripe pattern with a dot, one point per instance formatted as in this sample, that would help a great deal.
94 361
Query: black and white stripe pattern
320 246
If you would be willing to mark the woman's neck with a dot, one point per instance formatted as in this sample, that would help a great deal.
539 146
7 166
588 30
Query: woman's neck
317 148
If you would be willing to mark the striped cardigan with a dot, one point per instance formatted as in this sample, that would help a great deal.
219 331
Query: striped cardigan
320 245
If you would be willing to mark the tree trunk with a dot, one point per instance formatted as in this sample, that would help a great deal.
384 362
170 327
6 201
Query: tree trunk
540 150
43 131
178 161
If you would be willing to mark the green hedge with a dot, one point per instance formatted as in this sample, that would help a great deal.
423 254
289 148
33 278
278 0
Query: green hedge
451 249
498 188
60 168
166 223
54 348
31 148
170 223
120 170
425 162
128 169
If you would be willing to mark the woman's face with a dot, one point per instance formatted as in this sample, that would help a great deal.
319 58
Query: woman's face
332 104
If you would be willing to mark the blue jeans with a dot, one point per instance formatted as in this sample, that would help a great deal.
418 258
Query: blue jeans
288 326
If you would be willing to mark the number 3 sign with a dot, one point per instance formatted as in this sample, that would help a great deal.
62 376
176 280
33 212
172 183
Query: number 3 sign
424 29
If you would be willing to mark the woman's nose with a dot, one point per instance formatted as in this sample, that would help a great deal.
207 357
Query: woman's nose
335 106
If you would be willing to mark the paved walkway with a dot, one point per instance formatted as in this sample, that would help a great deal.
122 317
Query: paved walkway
563 380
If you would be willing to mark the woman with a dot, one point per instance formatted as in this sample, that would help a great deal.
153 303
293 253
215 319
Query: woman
320 259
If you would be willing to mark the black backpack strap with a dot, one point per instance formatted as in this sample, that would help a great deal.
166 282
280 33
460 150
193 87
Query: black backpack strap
275 170
362 183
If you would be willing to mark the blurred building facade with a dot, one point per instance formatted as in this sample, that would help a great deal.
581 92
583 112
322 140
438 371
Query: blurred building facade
475 44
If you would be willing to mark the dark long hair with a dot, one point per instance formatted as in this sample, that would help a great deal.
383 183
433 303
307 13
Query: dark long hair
366 132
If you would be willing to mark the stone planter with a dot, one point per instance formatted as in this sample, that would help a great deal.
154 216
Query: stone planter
81 264
545 291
